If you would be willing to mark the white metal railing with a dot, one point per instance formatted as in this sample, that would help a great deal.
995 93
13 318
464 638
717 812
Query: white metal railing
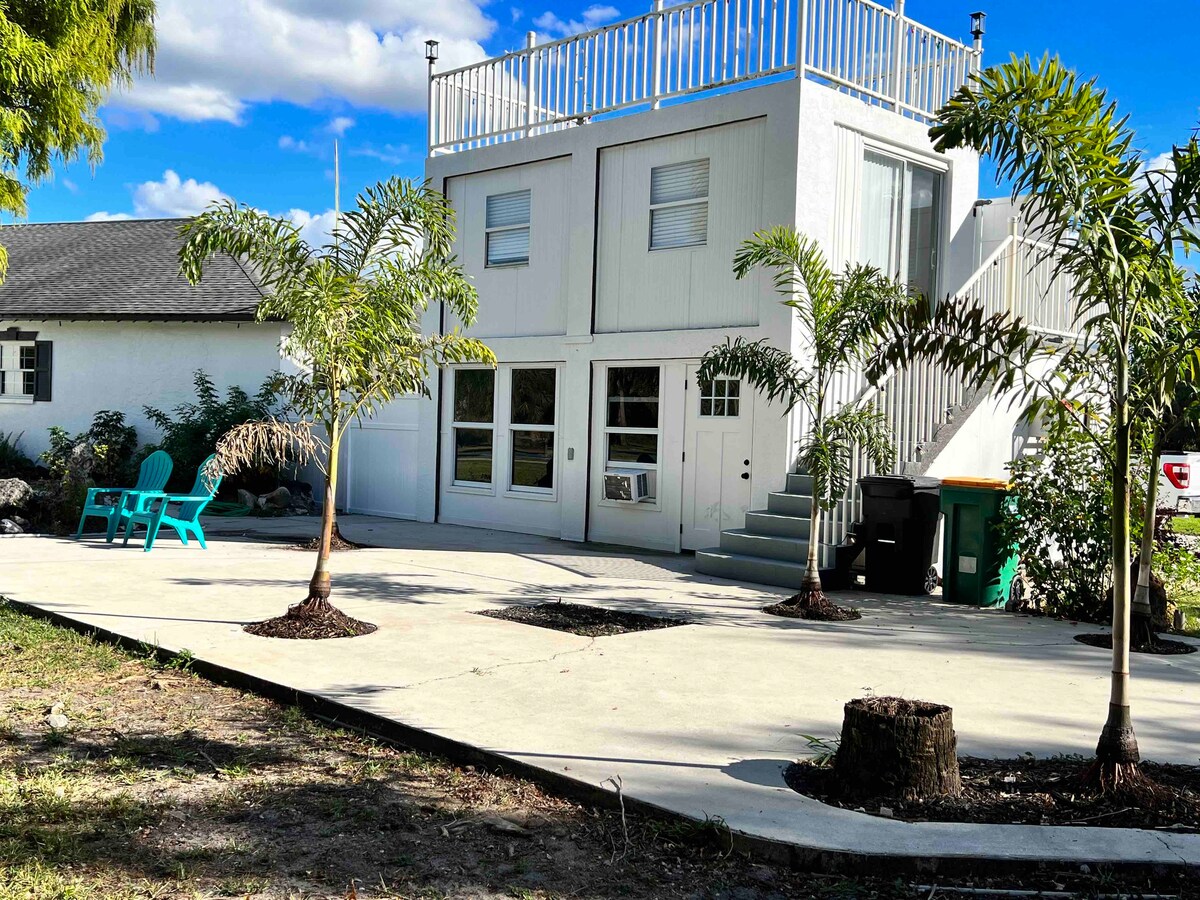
868 50
1019 277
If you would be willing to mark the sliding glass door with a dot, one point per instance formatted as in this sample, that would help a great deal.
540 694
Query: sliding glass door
900 222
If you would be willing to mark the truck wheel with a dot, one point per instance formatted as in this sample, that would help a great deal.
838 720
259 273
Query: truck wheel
932 580
1018 594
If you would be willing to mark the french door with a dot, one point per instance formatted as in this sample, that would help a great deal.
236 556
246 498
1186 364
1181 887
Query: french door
900 221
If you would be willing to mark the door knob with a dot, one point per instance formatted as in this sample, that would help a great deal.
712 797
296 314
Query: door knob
746 476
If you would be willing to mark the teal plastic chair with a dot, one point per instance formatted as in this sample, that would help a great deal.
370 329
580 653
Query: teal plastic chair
152 478
186 521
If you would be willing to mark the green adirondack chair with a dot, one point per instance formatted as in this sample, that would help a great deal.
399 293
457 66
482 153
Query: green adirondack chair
186 520
152 478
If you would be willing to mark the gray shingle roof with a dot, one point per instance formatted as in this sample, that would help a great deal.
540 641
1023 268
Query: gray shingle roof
119 270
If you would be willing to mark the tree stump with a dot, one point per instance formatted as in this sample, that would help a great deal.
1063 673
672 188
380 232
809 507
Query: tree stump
896 747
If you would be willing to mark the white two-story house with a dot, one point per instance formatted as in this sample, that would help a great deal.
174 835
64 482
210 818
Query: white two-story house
602 184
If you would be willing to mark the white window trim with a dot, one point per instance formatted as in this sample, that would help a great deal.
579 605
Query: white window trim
523 492
703 395
654 503
14 349
671 204
526 227
471 487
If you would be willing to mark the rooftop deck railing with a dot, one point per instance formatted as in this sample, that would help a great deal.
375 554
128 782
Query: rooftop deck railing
869 51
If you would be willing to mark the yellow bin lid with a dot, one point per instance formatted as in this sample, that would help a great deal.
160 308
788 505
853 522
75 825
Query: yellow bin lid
992 484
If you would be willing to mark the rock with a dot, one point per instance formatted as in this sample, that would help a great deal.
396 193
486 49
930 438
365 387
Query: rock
57 721
280 498
20 520
1177 621
245 498
302 496
14 493
8 526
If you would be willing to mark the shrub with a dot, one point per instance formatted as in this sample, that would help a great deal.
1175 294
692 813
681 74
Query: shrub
191 431
1061 525
103 455
13 462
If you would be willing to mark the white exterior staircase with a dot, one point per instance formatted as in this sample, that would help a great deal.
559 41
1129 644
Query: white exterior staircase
925 407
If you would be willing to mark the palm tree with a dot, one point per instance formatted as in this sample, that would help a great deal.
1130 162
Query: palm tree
1116 234
839 315
354 307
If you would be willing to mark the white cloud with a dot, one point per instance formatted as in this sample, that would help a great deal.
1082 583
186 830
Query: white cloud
217 57
315 228
593 17
287 142
174 196
1159 170
340 125
177 197
392 154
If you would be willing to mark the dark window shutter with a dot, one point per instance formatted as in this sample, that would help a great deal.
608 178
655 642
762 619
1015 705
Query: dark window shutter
42 369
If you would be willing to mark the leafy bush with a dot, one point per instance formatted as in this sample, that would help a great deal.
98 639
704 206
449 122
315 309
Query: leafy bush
1062 525
103 456
109 445
13 462
191 431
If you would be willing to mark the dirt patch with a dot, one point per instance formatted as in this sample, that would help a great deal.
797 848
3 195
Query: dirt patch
1161 646
588 621
795 607
297 624
1026 791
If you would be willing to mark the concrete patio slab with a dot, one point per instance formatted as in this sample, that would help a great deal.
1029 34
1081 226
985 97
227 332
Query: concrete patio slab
697 720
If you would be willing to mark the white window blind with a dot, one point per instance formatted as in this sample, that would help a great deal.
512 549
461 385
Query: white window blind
507 228
679 205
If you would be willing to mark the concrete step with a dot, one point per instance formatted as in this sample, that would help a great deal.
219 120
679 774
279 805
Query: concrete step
763 521
739 567
739 540
800 484
789 505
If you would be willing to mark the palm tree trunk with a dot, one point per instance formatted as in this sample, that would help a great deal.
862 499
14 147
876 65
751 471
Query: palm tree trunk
1117 754
317 602
1142 614
812 595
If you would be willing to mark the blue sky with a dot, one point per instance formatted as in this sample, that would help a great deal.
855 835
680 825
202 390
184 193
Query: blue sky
250 94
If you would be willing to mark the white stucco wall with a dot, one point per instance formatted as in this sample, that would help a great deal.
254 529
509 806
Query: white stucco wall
125 366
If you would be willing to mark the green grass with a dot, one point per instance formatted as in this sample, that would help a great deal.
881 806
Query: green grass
1189 525
1189 602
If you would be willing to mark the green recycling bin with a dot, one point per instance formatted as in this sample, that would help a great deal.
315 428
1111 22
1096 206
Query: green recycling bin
976 567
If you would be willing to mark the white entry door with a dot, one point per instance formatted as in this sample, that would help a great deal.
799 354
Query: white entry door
718 435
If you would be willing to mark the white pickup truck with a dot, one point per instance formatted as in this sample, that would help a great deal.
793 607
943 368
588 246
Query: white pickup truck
1179 483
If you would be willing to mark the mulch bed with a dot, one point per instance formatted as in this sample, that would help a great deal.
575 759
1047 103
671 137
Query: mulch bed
337 544
1160 646
1027 791
308 627
792 608
589 621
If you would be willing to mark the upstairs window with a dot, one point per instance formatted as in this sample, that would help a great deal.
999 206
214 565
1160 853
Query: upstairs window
679 205
507 228
900 221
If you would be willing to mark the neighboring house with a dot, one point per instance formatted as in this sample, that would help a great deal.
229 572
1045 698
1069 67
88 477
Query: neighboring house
94 316
602 184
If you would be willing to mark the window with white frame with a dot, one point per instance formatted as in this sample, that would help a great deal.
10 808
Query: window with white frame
18 369
679 205
720 398
474 425
532 423
507 226
900 220
632 424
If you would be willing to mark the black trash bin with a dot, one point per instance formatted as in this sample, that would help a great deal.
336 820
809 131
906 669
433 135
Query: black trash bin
900 522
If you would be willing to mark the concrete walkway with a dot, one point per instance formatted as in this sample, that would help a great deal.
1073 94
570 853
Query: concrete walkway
699 720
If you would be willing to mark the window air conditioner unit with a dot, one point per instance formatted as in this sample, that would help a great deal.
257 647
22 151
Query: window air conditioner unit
626 485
